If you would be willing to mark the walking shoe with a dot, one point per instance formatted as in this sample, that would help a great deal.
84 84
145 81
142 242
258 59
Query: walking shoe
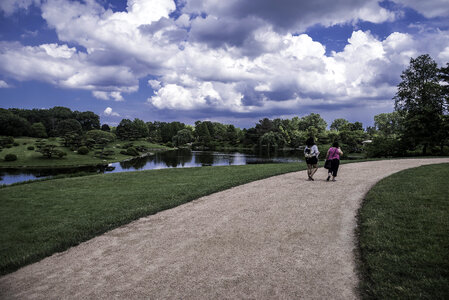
328 177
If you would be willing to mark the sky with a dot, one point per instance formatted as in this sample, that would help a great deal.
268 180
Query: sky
233 62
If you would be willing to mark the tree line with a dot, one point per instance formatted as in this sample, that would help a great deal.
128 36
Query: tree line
420 123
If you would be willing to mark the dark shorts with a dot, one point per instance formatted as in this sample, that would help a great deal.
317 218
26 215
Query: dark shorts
312 160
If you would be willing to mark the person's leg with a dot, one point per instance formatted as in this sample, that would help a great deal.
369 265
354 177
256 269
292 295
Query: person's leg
314 169
309 170
335 165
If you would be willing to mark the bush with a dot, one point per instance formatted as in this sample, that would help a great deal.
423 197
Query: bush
8 146
16 144
83 150
10 157
124 152
132 151
30 147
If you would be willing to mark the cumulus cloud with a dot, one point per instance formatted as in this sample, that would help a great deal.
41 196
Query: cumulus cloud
291 14
117 96
108 112
249 57
11 6
4 85
429 8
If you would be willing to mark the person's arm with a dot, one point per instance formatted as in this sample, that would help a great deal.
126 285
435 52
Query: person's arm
339 151
327 154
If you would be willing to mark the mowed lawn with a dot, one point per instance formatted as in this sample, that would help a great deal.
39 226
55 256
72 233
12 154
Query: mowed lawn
41 218
404 236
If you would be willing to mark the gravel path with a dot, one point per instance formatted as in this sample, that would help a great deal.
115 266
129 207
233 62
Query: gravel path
281 237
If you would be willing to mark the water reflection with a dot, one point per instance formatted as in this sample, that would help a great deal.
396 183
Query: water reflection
182 158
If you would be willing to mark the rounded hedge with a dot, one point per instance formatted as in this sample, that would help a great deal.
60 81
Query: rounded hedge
83 150
30 147
10 157
132 151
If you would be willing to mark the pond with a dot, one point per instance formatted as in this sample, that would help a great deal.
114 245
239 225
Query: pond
181 158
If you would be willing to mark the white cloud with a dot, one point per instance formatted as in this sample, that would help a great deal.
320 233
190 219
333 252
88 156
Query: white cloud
4 84
108 112
243 56
117 96
429 8
57 51
11 6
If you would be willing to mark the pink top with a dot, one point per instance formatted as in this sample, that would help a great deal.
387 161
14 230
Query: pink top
334 153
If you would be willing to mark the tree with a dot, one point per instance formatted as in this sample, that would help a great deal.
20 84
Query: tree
125 129
202 133
419 100
183 137
50 151
38 130
69 126
388 123
98 135
13 125
141 128
105 127
339 124
313 121
88 120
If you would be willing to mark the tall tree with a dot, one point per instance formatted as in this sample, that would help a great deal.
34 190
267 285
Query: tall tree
419 100
338 124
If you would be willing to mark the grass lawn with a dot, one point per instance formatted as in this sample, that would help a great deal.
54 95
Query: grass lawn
404 236
40 218
31 158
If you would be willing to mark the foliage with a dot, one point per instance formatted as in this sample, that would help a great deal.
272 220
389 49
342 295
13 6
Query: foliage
420 102
38 130
69 126
83 150
30 147
183 137
131 130
10 157
105 127
6 140
50 151
132 151
13 125
98 135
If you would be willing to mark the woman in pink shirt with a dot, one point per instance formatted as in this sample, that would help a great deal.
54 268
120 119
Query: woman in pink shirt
333 154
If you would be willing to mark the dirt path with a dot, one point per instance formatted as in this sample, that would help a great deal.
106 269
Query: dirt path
282 237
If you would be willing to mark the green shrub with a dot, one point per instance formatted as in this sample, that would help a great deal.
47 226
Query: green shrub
15 144
5 140
83 150
8 146
30 147
124 152
132 151
10 157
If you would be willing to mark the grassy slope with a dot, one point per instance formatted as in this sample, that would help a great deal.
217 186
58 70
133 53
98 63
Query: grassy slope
404 236
31 158
40 218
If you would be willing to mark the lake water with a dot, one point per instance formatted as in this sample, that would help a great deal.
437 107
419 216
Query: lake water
182 158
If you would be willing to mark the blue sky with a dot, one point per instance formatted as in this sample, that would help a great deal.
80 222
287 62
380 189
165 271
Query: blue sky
234 61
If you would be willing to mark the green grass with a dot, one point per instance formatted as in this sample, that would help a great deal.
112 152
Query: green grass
31 158
38 219
404 236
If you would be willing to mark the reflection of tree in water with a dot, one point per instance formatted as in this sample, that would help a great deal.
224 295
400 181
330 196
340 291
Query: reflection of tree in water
204 158
136 163
174 158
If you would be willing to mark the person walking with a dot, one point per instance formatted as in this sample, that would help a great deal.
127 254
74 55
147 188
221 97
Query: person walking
311 154
333 154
